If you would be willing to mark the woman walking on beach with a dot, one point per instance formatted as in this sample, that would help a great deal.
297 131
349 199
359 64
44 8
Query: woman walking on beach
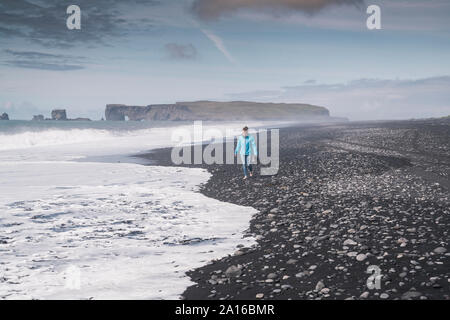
246 147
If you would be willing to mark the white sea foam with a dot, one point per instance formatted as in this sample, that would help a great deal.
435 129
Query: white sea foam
52 137
130 231
133 231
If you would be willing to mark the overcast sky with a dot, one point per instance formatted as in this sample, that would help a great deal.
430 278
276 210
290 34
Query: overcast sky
142 52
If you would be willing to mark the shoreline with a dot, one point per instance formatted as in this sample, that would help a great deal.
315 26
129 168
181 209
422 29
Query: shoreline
347 196
124 225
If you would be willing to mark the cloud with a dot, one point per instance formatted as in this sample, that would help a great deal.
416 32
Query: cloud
43 60
42 65
40 55
368 99
177 51
428 16
44 22
218 42
213 9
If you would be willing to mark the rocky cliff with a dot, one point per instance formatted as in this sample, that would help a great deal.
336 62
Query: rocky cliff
120 112
4 116
212 110
59 114
38 117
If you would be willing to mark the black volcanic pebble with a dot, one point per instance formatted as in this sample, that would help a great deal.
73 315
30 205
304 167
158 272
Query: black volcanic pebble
346 197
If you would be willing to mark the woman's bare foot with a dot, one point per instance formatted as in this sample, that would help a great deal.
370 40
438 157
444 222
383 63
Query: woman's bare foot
251 174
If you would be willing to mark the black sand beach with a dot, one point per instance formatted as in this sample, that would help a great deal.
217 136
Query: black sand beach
347 196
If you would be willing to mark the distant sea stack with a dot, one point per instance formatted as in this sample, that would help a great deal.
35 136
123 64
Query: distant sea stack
38 117
219 111
4 116
59 114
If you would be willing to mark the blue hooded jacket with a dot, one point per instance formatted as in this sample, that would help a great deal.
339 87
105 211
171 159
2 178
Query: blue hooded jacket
245 146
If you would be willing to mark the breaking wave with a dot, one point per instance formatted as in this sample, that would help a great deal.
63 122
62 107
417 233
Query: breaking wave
54 137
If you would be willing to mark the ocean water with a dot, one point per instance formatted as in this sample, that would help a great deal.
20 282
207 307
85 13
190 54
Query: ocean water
73 227
17 134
